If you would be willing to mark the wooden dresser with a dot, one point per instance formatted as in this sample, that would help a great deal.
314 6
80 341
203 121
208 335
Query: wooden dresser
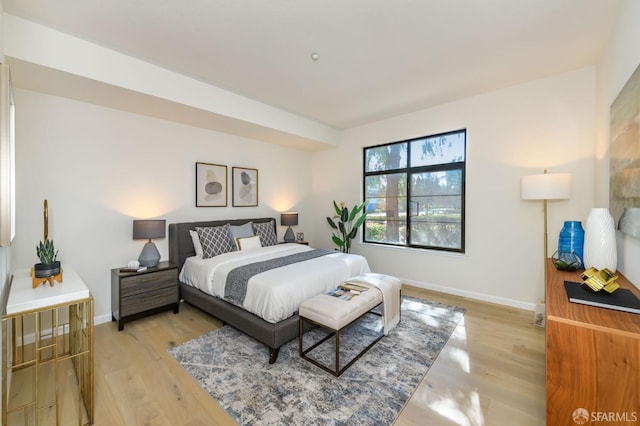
592 358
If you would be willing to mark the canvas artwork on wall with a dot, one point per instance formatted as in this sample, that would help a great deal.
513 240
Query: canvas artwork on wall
245 187
211 185
624 157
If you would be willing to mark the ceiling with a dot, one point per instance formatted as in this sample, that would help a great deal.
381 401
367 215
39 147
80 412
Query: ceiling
377 58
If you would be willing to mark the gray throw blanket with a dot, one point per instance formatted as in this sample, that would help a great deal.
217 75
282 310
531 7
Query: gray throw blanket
235 289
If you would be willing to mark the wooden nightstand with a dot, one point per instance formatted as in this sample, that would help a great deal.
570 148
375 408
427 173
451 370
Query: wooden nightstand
138 294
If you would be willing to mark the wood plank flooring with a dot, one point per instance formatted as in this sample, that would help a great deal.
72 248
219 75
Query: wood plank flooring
491 372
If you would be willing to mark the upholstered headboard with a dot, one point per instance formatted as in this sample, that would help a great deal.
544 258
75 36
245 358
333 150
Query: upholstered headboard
180 244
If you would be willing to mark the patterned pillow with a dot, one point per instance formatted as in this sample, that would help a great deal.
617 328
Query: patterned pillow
215 240
266 233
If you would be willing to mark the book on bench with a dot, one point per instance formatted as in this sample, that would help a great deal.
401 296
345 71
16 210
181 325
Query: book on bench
341 293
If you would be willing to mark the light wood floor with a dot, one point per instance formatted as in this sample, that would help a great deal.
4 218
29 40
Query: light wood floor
491 372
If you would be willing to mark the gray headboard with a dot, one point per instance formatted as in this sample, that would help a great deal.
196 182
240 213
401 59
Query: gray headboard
180 245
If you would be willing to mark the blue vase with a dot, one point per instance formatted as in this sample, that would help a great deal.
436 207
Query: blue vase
572 239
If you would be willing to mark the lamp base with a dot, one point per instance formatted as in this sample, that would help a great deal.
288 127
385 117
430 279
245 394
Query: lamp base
149 256
288 236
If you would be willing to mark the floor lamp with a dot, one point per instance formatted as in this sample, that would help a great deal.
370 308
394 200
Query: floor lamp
547 186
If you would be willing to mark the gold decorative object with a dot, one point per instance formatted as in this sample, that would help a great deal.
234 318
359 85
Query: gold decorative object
598 280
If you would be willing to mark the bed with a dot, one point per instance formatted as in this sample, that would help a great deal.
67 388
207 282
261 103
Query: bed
267 319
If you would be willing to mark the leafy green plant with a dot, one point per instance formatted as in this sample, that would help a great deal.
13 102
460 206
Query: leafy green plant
46 252
346 226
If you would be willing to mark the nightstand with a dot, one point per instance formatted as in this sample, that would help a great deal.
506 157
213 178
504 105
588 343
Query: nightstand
138 294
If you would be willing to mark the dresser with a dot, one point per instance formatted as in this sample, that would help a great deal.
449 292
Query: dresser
592 358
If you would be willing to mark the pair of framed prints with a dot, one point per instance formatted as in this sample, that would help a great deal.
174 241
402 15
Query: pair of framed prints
211 186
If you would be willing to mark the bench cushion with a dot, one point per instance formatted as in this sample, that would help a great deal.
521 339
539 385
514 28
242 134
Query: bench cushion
335 313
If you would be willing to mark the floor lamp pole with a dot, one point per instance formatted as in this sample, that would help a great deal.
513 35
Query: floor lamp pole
544 296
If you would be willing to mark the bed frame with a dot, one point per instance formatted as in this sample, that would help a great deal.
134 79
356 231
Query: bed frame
270 334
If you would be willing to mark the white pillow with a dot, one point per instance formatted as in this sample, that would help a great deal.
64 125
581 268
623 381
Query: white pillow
196 243
248 243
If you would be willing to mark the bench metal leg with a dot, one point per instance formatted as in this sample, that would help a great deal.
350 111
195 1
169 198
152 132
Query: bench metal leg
337 371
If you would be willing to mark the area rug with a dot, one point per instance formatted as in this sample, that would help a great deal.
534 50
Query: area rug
234 369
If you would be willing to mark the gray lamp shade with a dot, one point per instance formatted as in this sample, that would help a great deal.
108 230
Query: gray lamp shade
146 230
289 219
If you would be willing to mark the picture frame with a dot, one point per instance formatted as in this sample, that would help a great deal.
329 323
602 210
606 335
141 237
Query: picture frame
211 185
300 236
245 187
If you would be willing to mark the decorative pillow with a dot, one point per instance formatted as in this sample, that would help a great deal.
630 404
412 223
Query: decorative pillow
215 240
240 231
248 243
196 243
266 233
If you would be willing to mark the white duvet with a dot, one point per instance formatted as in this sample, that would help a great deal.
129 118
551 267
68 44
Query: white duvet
274 295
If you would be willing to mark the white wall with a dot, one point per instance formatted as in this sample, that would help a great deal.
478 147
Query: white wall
510 133
619 60
101 168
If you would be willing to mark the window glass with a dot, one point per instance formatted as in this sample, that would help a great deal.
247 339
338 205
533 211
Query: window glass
441 149
419 203
387 157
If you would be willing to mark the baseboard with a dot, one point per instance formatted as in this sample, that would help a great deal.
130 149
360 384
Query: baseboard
101 319
472 295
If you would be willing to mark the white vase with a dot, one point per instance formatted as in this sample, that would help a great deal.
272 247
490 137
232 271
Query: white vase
600 240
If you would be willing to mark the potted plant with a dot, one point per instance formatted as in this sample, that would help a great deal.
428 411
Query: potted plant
348 229
48 265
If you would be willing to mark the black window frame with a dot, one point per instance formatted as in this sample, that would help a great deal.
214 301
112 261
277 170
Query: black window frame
409 171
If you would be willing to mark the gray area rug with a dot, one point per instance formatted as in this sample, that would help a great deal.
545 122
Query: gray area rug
234 369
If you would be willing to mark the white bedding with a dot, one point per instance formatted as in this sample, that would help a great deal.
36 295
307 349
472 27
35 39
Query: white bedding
274 295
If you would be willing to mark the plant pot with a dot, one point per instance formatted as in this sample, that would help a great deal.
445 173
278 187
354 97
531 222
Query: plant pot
42 270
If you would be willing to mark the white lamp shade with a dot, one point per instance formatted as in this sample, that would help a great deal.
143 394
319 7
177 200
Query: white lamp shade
548 186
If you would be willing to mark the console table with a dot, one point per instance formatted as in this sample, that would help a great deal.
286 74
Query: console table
592 357
47 351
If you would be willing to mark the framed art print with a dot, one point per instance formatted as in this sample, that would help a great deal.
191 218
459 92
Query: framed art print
245 187
211 185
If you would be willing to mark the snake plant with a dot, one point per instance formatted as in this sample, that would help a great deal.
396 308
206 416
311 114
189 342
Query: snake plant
46 252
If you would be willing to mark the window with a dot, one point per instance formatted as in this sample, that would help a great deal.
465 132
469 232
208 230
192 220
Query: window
414 191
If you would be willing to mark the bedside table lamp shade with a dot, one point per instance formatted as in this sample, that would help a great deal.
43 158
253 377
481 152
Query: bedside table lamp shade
146 230
289 219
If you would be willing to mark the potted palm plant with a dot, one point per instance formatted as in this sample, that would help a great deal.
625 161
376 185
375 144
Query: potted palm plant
346 225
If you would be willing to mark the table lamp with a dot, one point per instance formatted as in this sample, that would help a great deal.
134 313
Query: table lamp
146 230
289 219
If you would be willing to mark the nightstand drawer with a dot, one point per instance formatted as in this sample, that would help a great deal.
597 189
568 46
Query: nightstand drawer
145 301
143 283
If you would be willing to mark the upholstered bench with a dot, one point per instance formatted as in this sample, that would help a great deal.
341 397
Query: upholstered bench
334 314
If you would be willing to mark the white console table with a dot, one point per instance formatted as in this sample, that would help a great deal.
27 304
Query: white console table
47 347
